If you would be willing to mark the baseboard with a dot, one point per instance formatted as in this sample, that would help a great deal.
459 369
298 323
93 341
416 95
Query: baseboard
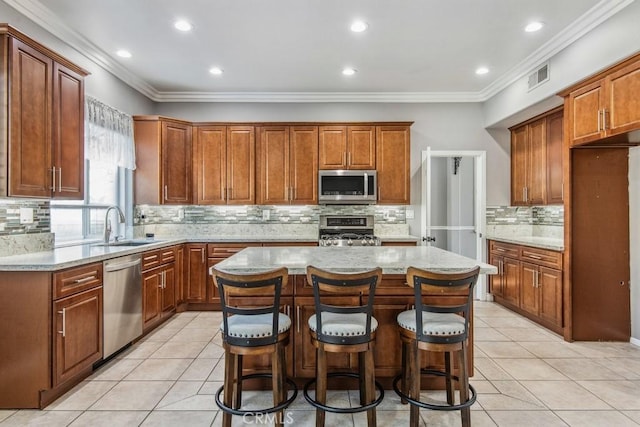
635 341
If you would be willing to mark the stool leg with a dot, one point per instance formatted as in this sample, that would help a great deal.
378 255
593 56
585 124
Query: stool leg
238 383
229 385
370 387
277 380
362 382
404 384
321 383
448 380
464 384
414 380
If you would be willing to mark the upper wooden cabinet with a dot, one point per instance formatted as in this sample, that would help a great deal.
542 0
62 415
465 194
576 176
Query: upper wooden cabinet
225 165
163 172
43 117
604 105
347 147
287 168
536 161
393 150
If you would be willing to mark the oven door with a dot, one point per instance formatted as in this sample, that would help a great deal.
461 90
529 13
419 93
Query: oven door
347 187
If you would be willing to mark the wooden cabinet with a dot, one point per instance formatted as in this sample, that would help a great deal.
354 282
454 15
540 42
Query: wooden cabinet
393 150
158 286
347 147
529 280
77 321
605 105
536 161
43 115
225 165
163 172
287 166
196 272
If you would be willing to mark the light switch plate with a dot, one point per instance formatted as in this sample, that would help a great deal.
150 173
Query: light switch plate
266 214
410 214
26 215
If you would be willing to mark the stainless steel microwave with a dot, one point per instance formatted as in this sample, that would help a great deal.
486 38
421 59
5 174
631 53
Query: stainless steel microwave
347 187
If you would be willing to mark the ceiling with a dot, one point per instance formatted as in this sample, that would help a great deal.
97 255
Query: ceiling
295 50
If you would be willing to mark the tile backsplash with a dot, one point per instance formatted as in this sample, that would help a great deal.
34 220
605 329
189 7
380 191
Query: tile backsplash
525 215
10 217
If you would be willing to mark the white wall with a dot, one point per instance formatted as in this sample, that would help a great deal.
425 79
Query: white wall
608 43
634 239
100 84
441 126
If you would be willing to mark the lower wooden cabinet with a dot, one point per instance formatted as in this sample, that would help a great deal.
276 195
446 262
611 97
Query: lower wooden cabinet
159 289
195 265
77 332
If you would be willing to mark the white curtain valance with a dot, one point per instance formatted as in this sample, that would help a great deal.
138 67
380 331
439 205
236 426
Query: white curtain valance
108 135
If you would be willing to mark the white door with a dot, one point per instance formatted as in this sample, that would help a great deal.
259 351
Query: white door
453 204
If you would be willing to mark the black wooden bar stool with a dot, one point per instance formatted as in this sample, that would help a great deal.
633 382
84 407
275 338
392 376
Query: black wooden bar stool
249 331
344 329
444 328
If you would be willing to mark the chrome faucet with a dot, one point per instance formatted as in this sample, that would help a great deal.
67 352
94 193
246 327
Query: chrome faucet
107 222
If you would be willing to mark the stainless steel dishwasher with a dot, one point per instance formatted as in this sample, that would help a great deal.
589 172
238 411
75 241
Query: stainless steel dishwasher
122 290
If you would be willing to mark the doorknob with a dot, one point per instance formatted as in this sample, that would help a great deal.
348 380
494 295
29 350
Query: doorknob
429 239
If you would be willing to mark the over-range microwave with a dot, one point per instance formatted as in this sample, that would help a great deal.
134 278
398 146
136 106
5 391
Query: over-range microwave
347 187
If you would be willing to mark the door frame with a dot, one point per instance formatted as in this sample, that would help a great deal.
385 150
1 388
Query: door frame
480 184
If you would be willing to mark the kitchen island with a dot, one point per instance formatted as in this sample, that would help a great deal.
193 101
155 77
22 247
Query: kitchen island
392 296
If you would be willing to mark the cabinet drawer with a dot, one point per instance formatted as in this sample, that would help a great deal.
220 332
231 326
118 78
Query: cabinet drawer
544 257
167 255
505 249
151 259
225 250
77 279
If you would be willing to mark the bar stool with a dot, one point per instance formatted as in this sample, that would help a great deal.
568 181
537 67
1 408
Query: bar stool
344 329
445 328
250 331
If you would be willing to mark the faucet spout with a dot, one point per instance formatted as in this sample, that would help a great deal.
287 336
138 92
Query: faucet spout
107 222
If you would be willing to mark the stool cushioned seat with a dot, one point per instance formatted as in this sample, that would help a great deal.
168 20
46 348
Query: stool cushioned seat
343 324
433 323
255 326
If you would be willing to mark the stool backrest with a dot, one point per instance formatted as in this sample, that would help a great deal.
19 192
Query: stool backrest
326 282
269 283
431 284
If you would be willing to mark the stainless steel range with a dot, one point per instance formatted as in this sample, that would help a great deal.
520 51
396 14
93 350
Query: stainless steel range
347 230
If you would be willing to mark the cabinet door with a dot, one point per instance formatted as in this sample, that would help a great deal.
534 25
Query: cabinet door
332 147
528 288
196 262
511 281
555 193
273 165
303 164
361 147
393 147
537 163
151 290
211 165
519 143
77 334
305 352
68 133
495 280
180 293
168 295
550 289
386 310
176 163
585 105
213 295
30 96
623 92
241 161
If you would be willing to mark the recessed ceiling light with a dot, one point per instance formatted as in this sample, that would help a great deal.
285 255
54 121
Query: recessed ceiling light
533 27
349 71
216 71
482 70
359 26
183 25
123 53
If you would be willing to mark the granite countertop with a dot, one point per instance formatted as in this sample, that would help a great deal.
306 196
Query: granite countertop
399 238
551 243
393 260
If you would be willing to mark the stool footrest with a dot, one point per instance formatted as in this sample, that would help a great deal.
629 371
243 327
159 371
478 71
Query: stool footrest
276 408
335 409
433 406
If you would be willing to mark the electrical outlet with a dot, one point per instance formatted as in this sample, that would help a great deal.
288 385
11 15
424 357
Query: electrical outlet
266 214
410 214
181 213
26 215
2 225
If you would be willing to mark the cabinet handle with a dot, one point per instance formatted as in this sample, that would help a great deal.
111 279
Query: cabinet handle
84 279
604 119
534 256
202 253
64 322
298 318
344 158
348 158
53 179
500 249
599 120
60 180
165 193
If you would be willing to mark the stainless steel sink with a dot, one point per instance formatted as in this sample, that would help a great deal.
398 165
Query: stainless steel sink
131 243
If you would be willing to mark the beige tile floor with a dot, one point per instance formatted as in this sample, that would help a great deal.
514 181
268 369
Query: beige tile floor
525 376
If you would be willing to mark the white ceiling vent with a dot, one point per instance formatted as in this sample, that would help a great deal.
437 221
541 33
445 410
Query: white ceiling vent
539 76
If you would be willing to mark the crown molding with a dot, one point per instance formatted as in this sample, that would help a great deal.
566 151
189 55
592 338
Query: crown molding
46 19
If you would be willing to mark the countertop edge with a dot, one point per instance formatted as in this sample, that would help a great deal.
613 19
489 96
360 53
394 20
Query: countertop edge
527 241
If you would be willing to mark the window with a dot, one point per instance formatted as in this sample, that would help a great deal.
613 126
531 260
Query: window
110 158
